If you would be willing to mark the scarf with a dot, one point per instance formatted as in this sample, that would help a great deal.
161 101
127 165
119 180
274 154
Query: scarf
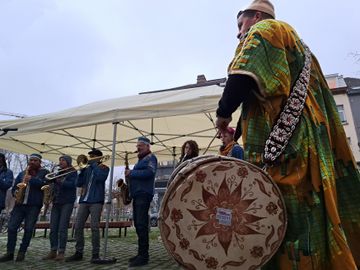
225 149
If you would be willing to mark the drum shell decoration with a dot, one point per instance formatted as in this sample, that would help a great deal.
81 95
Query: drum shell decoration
221 213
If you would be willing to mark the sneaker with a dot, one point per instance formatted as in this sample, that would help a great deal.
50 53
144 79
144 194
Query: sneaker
7 257
51 255
139 261
78 256
60 257
20 257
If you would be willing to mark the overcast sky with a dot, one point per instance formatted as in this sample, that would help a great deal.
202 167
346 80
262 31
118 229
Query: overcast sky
60 54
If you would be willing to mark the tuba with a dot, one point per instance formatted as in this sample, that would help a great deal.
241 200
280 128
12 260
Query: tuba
21 188
124 186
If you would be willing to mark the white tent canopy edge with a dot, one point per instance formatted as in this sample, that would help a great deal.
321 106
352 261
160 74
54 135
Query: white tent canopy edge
168 118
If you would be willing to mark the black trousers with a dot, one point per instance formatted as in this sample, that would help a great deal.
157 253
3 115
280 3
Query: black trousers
141 205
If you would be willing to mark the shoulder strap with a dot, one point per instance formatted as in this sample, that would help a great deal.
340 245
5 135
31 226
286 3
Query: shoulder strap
282 131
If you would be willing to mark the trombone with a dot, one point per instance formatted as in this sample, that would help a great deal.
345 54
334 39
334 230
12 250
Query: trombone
82 163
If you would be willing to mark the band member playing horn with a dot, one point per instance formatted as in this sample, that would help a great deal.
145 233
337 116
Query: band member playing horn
189 150
290 124
91 180
63 195
6 179
142 179
29 200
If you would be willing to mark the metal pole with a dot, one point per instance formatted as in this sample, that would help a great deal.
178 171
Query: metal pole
94 140
108 203
174 155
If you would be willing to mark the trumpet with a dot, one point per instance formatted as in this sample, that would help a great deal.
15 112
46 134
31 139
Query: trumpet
82 163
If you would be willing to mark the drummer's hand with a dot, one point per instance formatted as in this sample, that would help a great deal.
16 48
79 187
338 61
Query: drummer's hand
222 123
127 172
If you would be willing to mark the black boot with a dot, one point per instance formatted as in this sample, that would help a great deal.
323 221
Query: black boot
139 261
78 256
95 257
132 259
20 257
7 257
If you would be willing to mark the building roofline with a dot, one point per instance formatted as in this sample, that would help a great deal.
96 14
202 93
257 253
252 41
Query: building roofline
201 83
339 90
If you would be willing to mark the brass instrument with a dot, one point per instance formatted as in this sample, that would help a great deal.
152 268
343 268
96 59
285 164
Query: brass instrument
82 163
48 197
47 189
124 186
21 188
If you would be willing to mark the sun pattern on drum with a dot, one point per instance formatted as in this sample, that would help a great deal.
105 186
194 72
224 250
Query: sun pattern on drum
222 215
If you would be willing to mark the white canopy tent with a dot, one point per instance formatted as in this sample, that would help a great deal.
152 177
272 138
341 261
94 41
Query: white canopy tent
168 118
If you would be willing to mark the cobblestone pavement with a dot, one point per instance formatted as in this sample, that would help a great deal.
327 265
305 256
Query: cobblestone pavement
121 248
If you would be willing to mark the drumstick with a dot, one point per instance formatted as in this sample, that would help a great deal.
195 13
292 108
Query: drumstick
217 134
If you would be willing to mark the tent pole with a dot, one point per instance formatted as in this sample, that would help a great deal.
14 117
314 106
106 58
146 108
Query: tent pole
152 130
94 140
174 155
109 201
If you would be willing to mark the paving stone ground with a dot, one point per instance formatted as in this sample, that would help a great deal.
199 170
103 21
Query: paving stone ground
121 248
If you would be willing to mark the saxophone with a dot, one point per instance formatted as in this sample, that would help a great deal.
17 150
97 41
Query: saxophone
21 188
48 189
124 186
124 192
48 194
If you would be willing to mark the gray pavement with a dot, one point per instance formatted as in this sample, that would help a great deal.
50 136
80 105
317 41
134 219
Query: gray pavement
121 248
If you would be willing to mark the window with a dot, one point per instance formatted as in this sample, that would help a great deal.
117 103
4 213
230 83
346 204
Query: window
341 112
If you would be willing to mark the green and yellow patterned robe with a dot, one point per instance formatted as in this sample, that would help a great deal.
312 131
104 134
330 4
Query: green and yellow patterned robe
317 176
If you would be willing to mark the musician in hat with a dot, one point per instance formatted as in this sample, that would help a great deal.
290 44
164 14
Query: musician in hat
63 195
142 183
91 180
28 203
290 123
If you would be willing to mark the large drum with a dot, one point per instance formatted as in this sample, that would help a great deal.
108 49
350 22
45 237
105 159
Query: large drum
221 213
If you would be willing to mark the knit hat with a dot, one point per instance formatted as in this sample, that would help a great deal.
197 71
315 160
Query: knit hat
143 139
95 152
37 156
67 158
262 5
230 130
